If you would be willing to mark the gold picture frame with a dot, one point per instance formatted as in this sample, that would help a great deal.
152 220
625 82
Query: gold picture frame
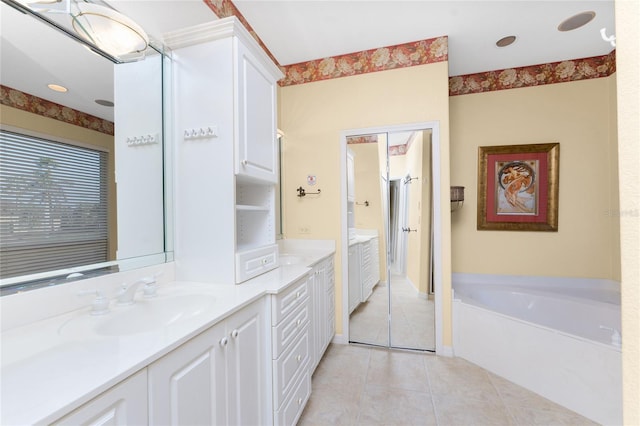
518 187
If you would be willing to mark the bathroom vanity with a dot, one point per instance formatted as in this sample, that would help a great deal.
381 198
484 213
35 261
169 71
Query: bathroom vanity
194 354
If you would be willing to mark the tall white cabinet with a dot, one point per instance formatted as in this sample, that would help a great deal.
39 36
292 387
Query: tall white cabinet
226 153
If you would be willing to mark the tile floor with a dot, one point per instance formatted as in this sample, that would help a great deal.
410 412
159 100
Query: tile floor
359 385
412 317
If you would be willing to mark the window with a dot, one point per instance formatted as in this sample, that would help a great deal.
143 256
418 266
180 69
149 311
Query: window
53 205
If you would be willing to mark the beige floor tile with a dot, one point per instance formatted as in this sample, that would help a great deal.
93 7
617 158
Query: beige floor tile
396 369
391 406
331 405
457 411
359 385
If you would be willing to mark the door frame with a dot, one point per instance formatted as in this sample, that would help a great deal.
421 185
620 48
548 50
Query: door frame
437 219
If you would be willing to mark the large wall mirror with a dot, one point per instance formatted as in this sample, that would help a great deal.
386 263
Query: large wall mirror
85 175
393 229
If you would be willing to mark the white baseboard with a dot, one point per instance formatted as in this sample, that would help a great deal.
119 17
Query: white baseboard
445 351
339 339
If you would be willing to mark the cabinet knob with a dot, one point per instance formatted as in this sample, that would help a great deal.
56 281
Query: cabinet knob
244 162
299 358
224 341
299 401
298 295
234 334
299 321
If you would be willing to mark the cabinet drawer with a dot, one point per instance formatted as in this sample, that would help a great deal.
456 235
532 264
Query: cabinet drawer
285 333
292 408
289 300
251 263
289 367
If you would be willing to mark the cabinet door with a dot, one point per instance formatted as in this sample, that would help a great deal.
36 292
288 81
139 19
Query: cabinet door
187 386
351 177
248 366
124 404
354 277
256 147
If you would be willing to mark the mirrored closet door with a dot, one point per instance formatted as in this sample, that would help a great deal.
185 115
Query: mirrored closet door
389 213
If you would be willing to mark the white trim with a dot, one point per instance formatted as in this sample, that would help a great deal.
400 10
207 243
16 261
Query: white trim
217 30
437 222
339 339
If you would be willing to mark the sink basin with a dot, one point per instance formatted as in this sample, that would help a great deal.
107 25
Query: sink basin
145 315
290 259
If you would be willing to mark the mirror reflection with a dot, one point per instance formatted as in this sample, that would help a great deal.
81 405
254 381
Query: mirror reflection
390 209
82 178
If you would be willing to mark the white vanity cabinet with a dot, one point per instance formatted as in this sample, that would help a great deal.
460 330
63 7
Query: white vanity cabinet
123 404
323 307
366 272
290 320
219 377
226 153
355 287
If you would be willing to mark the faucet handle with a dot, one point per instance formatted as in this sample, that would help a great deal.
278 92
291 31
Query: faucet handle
150 288
100 304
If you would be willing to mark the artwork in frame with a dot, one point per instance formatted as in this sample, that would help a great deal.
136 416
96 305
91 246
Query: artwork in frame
518 187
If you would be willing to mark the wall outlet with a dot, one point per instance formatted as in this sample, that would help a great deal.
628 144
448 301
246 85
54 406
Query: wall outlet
304 230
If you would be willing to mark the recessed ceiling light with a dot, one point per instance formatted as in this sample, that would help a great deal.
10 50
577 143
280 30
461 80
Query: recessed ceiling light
57 88
104 102
505 41
576 21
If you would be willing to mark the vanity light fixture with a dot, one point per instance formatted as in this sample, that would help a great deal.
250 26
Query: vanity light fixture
457 197
57 88
108 29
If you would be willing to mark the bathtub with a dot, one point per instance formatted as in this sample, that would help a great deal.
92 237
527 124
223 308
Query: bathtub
558 337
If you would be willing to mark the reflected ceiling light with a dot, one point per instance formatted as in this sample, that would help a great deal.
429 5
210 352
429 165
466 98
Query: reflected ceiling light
57 88
104 102
576 21
108 29
506 41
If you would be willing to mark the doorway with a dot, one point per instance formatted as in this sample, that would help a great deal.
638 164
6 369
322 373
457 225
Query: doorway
401 309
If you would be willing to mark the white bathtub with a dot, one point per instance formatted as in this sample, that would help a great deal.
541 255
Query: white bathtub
558 337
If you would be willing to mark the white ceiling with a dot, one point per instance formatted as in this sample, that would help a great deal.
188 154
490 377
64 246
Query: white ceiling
301 30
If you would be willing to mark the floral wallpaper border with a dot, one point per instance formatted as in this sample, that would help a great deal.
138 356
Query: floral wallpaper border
535 75
362 139
30 103
393 150
225 8
381 59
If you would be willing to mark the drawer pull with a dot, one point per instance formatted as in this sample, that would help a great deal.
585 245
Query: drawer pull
298 322
299 358
224 341
299 401
298 295
234 334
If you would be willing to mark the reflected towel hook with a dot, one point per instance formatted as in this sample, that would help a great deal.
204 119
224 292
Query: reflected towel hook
366 204
302 192
408 179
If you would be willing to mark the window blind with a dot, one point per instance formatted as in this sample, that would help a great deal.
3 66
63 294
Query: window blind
53 205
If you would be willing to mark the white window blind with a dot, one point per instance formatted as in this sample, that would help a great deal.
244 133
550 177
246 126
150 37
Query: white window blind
53 205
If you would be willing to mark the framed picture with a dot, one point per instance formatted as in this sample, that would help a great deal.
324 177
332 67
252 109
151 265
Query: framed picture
518 187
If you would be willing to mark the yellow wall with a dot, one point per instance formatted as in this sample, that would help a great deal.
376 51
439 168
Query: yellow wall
313 115
628 109
47 126
578 116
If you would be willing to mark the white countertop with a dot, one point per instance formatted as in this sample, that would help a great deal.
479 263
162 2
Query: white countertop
49 369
